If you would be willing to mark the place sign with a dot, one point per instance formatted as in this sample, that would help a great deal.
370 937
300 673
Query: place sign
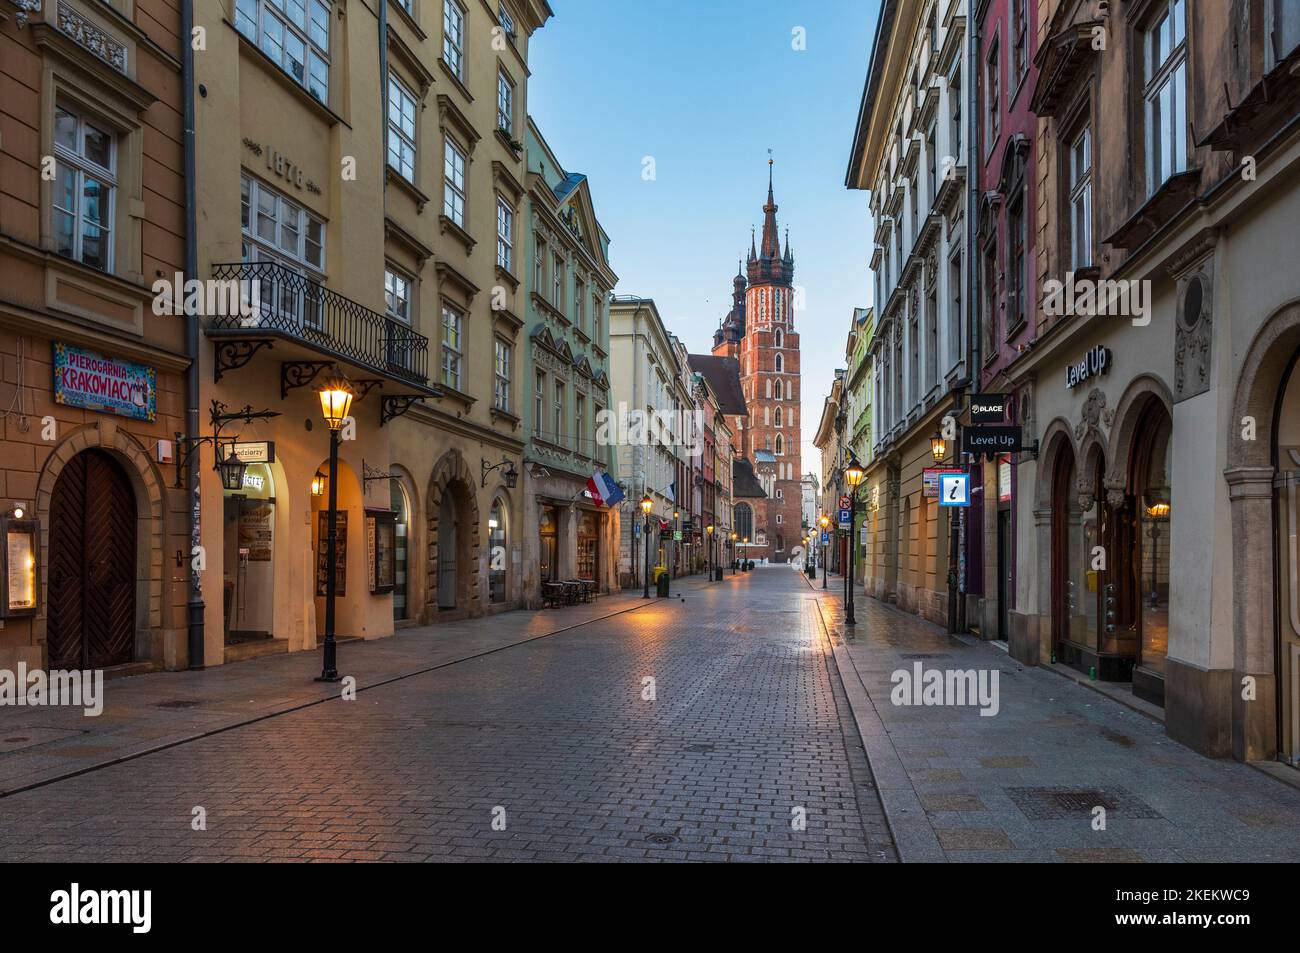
257 451
988 408
991 440
1094 363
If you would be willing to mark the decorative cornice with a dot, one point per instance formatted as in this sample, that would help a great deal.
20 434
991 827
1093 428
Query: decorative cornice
91 37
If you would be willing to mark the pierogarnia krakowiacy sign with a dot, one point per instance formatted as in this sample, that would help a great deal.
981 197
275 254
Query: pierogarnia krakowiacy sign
94 382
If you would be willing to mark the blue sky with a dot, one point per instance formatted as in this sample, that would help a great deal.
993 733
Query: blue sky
706 87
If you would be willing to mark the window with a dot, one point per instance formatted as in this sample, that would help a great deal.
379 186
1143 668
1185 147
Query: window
85 159
778 389
932 160
451 346
580 304
914 365
507 23
397 296
579 422
780 495
453 38
505 234
539 403
954 112
595 315
401 128
539 266
778 416
1165 49
557 283
1016 261
295 34
954 313
778 515
559 412
992 100
279 229
779 339
932 337
453 178
780 445
505 103
1081 199
1283 29
780 363
990 322
501 391
1019 37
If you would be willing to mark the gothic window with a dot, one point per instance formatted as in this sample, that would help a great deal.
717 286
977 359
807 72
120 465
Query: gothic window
778 416
780 445
744 519
780 363
779 340
779 389
768 388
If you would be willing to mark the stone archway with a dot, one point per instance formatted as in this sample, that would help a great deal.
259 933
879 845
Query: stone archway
1249 474
1128 416
452 495
151 530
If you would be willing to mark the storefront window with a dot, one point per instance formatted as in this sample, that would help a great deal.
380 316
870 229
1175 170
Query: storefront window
402 516
588 544
249 547
497 552
1155 514
548 550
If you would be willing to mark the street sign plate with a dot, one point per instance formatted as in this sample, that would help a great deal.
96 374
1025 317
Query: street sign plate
954 489
845 518
930 480
826 538
258 451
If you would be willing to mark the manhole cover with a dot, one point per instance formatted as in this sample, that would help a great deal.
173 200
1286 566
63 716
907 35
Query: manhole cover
1060 803
177 703
699 749
661 839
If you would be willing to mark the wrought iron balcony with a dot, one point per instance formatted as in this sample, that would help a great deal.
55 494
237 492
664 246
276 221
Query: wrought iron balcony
277 302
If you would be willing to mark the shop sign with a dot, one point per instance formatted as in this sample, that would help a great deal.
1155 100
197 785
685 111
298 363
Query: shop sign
988 408
257 451
94 382
930 480
1094 364
1004 480
991 440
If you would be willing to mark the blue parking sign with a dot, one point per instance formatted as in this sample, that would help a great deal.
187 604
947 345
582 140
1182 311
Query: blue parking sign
845 519
826 537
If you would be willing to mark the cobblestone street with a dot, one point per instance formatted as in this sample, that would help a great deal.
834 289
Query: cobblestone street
748 732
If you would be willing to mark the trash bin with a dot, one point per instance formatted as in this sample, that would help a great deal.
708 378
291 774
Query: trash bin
812 572
661 585
717 574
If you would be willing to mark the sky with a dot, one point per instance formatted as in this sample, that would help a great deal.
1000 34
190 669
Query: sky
705 88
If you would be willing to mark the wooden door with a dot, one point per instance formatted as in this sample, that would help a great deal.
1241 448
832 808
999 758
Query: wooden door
92 577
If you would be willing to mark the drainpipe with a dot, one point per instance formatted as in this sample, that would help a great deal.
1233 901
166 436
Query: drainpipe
383 94
195 606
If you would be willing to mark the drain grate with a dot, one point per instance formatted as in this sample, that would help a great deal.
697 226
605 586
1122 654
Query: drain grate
661 839
1059 803
178 703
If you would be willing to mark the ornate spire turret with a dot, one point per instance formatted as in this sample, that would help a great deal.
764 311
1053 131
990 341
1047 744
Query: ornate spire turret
767 263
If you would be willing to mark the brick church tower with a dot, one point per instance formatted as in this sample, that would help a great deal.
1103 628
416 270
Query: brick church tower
760 333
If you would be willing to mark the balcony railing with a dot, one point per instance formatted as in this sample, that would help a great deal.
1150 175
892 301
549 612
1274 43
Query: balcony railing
278 299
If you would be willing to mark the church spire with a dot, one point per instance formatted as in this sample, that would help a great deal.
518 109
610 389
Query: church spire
771 247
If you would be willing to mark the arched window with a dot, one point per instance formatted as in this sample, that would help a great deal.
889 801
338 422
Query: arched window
778 416
769 387
780 445
780 339
780 363
744 518
778 389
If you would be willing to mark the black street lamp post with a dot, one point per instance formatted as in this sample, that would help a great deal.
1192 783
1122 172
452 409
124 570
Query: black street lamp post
647 505
335 400
826 522
853 477
709 530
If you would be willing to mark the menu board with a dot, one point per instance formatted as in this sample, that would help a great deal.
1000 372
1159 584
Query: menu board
381 548
255 521
21 563
322 552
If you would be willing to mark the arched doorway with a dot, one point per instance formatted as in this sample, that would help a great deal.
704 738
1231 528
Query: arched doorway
1286 458
92 576
401 507
448 530
497 552
1064 543
248 558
